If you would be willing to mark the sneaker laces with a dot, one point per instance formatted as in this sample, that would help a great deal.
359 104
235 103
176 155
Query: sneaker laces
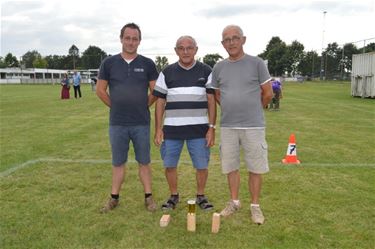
230 208
256 211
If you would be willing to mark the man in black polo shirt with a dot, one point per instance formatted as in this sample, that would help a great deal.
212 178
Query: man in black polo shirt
128 76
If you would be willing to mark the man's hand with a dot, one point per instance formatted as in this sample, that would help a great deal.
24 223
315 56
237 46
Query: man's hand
159 137
210 137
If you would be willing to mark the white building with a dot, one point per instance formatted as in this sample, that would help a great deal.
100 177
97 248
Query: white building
363 75
17 75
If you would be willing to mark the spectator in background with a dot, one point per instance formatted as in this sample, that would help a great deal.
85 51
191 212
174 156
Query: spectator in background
77 84
277 95
93 83
65 90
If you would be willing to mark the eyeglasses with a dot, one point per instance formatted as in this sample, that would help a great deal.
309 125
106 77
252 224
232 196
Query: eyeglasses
234 39
187 49
131 39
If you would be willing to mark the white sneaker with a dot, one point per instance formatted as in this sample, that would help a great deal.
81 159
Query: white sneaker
230 209
257 215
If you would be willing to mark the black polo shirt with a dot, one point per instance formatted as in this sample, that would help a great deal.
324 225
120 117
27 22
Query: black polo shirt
128 88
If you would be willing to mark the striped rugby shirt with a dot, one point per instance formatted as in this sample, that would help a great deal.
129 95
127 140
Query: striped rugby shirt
185 90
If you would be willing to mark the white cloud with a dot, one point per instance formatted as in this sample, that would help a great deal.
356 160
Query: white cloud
52 26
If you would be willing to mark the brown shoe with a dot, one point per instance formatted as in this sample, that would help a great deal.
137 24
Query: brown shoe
111 204
150 204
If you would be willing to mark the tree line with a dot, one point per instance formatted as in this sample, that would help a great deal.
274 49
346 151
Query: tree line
334 63
283 59
90 59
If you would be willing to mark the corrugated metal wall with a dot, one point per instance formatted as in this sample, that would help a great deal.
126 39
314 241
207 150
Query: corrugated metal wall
363 75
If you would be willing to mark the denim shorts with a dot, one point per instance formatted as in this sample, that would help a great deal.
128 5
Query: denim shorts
199 153
120 136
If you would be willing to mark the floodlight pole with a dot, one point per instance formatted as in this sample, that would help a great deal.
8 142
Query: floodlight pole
322 59
312 68
21 69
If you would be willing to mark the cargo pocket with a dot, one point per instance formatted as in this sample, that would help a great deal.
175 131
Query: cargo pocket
258 150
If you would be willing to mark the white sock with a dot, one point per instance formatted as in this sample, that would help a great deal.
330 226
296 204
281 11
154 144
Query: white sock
254 205
237 202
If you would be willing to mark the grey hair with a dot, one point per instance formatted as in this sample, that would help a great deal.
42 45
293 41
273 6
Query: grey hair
231 26
186 37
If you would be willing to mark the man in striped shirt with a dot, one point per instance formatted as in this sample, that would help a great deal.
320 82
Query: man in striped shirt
187 102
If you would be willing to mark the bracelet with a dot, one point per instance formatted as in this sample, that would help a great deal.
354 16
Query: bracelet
212 126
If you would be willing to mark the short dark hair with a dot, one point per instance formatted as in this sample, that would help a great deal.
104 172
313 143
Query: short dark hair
131 26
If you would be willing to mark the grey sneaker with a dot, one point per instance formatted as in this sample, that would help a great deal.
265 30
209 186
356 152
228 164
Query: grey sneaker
257 215
150 204
230 209
111 204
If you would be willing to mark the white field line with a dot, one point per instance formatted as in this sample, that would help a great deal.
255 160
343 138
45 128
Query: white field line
98 161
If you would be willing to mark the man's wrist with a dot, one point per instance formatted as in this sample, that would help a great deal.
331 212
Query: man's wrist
212 126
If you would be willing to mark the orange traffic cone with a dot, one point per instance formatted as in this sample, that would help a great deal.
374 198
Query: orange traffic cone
291 152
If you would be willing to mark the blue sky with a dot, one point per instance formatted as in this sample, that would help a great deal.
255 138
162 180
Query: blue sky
51 26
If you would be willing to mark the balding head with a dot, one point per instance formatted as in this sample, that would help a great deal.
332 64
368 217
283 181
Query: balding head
186 37
233 27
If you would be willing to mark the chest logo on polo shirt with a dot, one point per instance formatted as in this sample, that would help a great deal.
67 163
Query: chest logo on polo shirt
201 81
139 70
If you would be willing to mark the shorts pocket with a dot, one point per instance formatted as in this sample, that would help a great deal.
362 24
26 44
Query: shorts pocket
258 150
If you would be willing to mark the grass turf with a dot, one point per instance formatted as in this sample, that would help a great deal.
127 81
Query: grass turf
55 175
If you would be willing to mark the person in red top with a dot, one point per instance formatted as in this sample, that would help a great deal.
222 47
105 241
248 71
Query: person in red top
65 90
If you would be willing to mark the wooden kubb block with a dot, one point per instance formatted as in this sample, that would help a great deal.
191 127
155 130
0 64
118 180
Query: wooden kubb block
215 223
191 222
165 219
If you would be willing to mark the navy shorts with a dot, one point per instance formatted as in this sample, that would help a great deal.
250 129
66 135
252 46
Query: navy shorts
120 137
199 153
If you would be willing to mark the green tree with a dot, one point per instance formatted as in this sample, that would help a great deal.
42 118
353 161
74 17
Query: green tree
11 61
368 48
67 62
56 62
332 57
161 63
309 64
92 57
29 58
2 63
294 56
39 62
212 59
74 55
346 59
277 55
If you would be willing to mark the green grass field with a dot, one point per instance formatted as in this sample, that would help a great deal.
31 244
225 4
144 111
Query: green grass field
55 174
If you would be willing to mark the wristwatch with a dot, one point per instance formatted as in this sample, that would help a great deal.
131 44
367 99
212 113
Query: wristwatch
212 126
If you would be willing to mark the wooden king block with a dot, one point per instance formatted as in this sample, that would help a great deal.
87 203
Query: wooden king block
191 223
215 223
165 219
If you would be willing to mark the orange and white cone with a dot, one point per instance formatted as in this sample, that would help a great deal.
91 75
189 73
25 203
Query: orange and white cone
291 152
